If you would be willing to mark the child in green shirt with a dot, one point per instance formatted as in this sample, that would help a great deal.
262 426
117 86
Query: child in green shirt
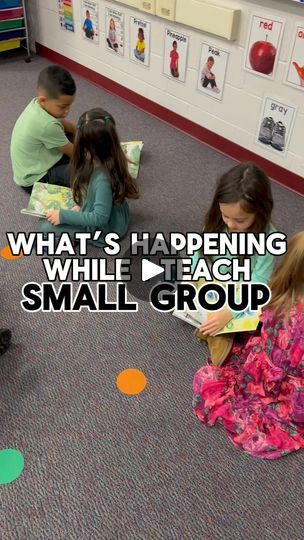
40 148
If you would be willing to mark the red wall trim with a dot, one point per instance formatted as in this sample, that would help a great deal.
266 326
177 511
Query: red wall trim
277 173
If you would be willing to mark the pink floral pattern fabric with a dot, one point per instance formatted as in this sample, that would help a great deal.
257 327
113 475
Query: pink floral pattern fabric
258 395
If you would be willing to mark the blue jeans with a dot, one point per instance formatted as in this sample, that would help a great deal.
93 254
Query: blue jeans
59 174
139 56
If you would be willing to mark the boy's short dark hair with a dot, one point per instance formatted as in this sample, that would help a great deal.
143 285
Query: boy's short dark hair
56 81
210 59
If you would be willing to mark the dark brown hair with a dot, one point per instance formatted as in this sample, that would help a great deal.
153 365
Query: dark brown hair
56 81
97 138
247 184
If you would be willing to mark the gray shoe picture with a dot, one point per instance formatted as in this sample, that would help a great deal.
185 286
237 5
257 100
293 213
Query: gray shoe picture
278 136
266 129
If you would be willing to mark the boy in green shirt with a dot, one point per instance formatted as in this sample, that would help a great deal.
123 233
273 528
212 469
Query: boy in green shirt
40 148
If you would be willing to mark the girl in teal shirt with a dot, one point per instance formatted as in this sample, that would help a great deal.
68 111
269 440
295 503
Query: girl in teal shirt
101 182
242 203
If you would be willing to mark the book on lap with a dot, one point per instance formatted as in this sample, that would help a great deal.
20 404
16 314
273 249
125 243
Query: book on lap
47 197
246 321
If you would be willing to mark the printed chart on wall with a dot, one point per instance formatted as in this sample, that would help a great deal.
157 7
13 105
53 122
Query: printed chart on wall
90 20
276 124
212 71
263 45
175 55
66 17
295 65
140 32
115 31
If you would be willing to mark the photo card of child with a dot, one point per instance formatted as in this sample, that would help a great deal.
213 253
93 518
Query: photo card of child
275 124
263 44
140 32
115 31
295 64
212 71
175 55
90 20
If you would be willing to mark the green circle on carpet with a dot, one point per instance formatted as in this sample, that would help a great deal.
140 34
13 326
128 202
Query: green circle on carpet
11 465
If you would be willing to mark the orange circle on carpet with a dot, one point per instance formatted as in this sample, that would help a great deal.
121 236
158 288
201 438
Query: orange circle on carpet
131 381
6 253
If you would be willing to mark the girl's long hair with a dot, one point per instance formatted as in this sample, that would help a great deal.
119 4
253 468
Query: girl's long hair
287 282
97 139
245 183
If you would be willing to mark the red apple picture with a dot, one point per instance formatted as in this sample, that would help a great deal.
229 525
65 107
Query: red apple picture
262 56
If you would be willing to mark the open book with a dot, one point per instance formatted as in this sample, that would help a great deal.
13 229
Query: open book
46 197
246 321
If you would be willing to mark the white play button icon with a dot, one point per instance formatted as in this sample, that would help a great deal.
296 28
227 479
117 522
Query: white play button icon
150 269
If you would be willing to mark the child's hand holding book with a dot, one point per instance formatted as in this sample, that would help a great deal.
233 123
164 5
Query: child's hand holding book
53 217
216 321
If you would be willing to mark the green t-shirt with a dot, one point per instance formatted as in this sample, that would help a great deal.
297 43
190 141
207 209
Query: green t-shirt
36 137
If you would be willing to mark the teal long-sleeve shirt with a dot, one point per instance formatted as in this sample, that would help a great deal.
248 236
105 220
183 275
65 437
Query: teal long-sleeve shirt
98 213
261 266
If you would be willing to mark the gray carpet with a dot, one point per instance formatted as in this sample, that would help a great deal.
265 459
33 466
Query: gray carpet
99 464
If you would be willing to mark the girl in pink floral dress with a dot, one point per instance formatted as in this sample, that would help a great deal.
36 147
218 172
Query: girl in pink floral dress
258 395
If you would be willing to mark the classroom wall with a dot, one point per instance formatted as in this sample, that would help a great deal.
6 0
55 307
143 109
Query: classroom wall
236 117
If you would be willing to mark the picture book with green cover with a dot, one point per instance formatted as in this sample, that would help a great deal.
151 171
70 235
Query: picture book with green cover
246 320
46 197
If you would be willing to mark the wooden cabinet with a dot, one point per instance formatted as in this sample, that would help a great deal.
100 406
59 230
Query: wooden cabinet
166 9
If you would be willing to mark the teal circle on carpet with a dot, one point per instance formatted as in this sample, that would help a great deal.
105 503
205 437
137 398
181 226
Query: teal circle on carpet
11 465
